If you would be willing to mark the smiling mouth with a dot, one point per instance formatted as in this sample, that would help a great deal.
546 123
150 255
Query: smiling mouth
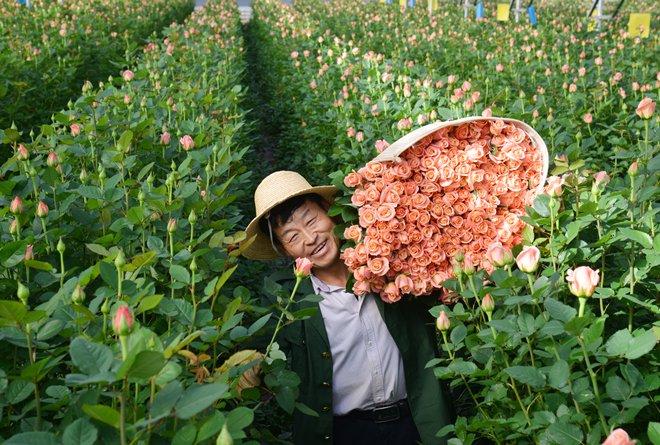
319 248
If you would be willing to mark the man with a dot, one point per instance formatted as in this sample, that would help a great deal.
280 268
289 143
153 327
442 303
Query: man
360 361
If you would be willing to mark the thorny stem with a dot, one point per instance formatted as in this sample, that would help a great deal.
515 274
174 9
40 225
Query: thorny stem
594 384
278 326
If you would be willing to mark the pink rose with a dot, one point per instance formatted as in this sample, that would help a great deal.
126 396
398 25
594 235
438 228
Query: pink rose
378 266
498 255
165 138
442 322
404 283
352 179
587 118
554 186
187 142
528 259
122 322
303 267
127 75
619 437
75 129
390 293
353 233
361 288
582 281
381 145
646 108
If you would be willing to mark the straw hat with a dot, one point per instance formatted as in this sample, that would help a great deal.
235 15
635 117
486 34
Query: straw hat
274 189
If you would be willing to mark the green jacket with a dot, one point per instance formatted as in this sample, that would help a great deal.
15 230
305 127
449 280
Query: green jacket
412 328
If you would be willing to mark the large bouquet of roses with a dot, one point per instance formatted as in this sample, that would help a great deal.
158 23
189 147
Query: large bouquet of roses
446 189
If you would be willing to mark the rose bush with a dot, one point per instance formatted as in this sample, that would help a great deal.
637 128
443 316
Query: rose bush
48 50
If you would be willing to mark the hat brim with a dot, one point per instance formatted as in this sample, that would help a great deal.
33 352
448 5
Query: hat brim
257 245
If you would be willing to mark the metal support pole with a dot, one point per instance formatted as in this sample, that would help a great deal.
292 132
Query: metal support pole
518 10
466 7
599 17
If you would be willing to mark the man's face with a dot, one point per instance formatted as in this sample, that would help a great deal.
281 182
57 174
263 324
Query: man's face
309 233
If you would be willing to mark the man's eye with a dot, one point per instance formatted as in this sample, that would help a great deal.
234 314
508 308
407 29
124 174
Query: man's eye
311 221
293 238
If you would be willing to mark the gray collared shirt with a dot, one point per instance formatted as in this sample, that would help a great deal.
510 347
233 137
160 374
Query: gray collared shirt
366 363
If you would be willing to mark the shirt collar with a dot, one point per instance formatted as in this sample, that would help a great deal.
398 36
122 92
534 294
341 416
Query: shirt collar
321 286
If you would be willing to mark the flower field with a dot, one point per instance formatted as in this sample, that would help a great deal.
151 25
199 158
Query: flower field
127 313
56 47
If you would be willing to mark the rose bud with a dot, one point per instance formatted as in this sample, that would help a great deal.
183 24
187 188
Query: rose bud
78 295
303 267
645 108
42 210
633 169
528 259
468 267
16 205
488 305
127 75
122 322
171 225
582 281
75 129
29 252
22 153
442 322
165 138
60 246
192 217
105 307
619 437
13 227
187 142
498 255
52 160
23 293
120 259
83 176
600 181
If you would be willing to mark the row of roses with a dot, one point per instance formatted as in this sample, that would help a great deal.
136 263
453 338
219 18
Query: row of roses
51 48
119 219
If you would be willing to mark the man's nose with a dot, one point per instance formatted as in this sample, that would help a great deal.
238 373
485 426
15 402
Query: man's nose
308 235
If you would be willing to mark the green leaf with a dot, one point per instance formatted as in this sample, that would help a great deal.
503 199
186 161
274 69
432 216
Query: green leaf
641 344
211 426
18 390
33 438
527 375
98 249
618 343
185 435
80 432
90 358
239 418
564 433
166 399
39 265
254 327
617 388
559 373
286 398
180 273
559 310
103 414
231 309
13 311
223 279
148 303
644 239
146 364
458 334
125 139
306 409
199 397
654 433
140 260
